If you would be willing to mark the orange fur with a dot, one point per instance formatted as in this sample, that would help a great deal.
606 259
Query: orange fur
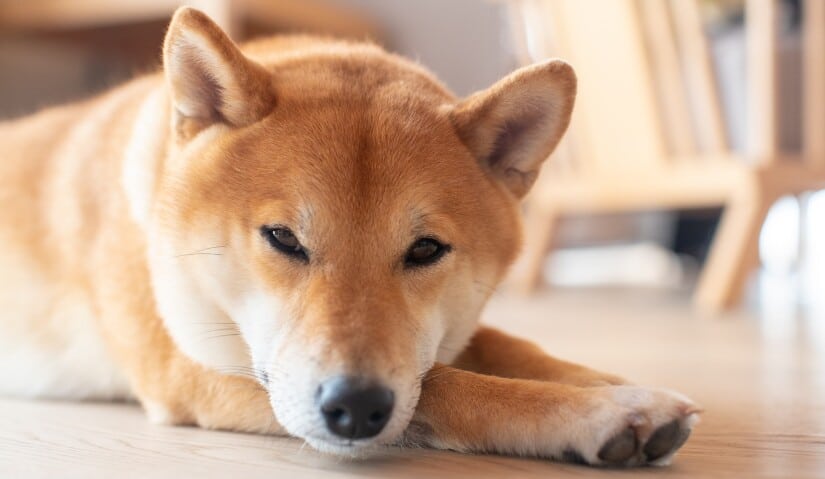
133 221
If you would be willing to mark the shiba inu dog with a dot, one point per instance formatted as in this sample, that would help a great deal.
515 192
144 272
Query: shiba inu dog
297 237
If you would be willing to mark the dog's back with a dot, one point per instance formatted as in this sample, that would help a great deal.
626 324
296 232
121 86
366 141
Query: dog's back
56 166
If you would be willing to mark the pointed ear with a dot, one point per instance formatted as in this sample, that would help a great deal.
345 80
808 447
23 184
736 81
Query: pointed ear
513 126
209 78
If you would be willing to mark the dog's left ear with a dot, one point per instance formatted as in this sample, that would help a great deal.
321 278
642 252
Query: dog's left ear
513 126
210 80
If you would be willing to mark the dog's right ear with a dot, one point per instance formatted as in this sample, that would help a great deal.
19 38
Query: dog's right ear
210 80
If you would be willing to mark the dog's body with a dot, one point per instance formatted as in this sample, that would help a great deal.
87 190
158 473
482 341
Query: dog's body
291 228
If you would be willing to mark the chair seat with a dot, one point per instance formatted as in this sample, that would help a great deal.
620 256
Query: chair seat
685 184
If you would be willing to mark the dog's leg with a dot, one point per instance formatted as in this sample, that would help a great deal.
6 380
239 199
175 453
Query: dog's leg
234 403
607 425
496 353
186 393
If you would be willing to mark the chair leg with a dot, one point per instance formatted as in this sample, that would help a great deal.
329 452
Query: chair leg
735 250
539 228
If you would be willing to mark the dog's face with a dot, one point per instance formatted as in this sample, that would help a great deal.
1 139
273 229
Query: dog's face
334 222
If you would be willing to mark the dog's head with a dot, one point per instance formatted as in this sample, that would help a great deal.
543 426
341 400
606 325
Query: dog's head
332 220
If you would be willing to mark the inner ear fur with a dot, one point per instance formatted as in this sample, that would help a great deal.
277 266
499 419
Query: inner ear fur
513 126
209 78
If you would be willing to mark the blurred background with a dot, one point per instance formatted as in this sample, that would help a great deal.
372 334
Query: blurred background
694 157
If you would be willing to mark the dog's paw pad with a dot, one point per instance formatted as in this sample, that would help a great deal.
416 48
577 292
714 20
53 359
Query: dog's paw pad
665 440
620 448
649 426
627 449
573 456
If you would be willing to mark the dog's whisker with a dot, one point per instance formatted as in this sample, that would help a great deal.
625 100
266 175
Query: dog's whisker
218 336
205 251
438 374
484 287
236 370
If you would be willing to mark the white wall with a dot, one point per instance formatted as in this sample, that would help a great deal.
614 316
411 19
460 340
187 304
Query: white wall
465 42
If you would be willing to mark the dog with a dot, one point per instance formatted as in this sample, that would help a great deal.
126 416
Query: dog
297 236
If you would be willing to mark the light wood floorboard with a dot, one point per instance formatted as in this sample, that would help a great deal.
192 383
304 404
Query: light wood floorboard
759 375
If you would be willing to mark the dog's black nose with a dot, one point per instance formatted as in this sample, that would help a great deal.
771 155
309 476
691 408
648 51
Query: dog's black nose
354 408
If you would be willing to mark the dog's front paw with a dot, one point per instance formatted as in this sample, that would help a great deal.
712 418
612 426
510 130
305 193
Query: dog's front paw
632 426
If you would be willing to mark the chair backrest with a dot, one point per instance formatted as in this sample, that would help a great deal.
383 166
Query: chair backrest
616 114
814 81
648 94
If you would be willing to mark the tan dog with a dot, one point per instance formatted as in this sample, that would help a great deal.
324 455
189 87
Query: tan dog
309 228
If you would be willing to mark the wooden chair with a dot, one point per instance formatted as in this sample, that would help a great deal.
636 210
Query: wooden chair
648 131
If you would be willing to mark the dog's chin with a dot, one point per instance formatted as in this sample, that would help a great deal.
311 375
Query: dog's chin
358 448
355 450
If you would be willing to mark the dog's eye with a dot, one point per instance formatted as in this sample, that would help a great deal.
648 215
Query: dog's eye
284 240
425 251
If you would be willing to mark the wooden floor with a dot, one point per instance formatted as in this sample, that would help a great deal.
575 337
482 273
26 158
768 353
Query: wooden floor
759 375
